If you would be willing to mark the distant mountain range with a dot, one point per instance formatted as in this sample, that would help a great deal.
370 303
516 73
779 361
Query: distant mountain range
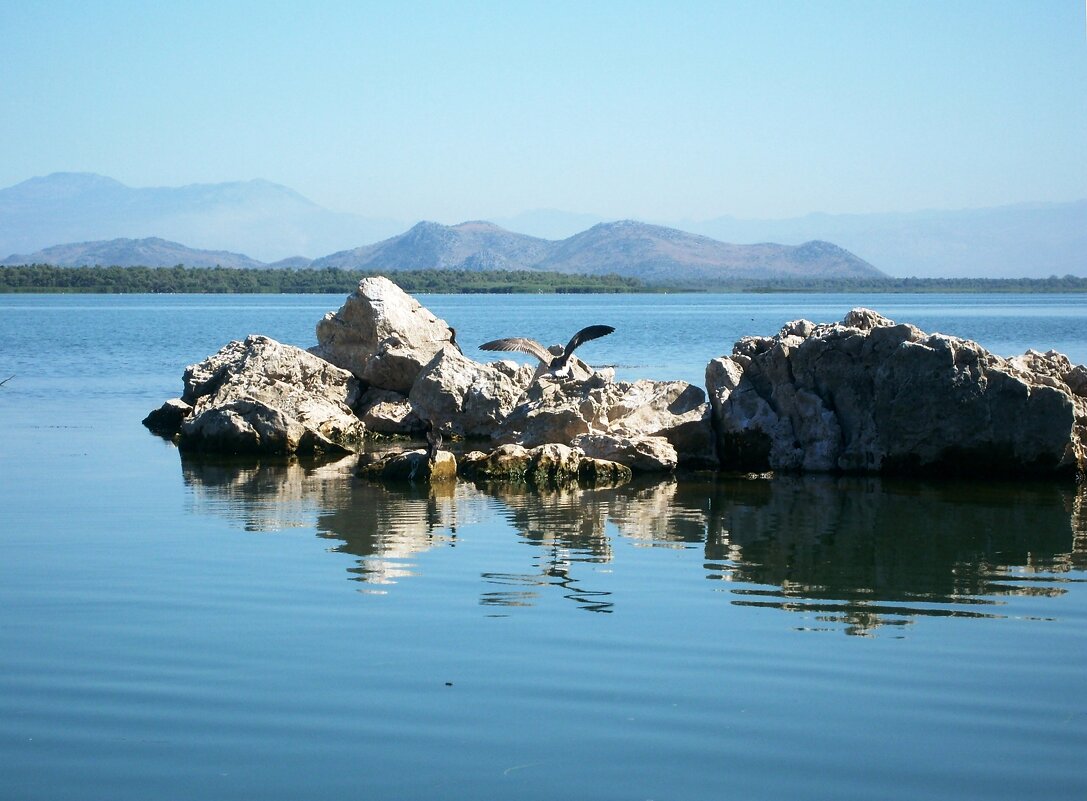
150 252
274 225
1027 240
265 220
652 253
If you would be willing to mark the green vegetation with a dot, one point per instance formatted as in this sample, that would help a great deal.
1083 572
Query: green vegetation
46 278
1053 284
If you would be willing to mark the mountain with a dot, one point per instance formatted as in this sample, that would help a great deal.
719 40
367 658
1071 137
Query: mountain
659 255
150 252
1032 240
263 219
652 253
428 245
273 223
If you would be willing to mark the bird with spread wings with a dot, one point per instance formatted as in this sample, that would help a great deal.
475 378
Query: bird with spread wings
548 359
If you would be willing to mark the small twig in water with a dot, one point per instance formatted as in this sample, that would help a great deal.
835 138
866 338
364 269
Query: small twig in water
6 380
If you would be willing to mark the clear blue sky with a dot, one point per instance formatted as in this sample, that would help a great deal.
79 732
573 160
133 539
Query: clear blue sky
653 110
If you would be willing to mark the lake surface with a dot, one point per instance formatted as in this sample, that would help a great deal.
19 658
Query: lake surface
180 628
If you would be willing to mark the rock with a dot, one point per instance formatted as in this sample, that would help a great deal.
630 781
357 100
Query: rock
562 410
867 395
411 466
554 410
167 419
674 410
643 453
383 411
544 465
261 396
466 397
382 335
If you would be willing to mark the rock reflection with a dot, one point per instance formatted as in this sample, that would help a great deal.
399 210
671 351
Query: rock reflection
269 494
867 553
851 554
568 526
388 525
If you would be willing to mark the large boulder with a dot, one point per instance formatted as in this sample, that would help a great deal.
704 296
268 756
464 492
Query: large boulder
465 397
261 396
382 335
867 395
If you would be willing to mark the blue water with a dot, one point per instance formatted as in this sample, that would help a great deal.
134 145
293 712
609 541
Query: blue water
186 629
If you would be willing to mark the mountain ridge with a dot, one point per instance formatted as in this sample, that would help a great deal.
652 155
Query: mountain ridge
270 223
651 253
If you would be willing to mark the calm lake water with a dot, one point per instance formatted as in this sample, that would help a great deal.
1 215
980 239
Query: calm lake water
177 628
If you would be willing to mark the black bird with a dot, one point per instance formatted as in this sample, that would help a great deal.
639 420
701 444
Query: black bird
433 441
546 357
453 339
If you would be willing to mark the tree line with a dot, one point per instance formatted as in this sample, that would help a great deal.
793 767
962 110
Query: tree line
210 280
227 280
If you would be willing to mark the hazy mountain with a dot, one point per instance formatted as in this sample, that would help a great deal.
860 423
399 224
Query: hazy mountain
649 252
150 252
428 245
271 223
263 219
657 254
1027 240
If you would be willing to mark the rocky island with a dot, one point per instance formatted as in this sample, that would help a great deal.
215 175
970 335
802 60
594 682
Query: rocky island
865 395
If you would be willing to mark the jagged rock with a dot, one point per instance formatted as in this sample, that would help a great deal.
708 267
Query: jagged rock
386 412
382 335
545 464
644 453
167 419
465 397
411 466
261 396
868 395
674 410
561 410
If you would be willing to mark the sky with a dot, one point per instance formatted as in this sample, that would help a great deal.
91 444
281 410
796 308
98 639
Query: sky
452 111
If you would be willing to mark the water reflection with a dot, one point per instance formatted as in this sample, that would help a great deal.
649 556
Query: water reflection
266 494
849 554
867 553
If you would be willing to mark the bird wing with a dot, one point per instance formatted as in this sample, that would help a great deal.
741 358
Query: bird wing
522 345
587 333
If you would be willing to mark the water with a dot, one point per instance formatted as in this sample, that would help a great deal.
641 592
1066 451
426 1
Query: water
182 628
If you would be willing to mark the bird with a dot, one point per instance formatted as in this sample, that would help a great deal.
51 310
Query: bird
453 339
556 364
433 441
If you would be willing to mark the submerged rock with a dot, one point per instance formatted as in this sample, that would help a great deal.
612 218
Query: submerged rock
167 419
642 453
542 465
411 466
261 396
382 335
867 395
